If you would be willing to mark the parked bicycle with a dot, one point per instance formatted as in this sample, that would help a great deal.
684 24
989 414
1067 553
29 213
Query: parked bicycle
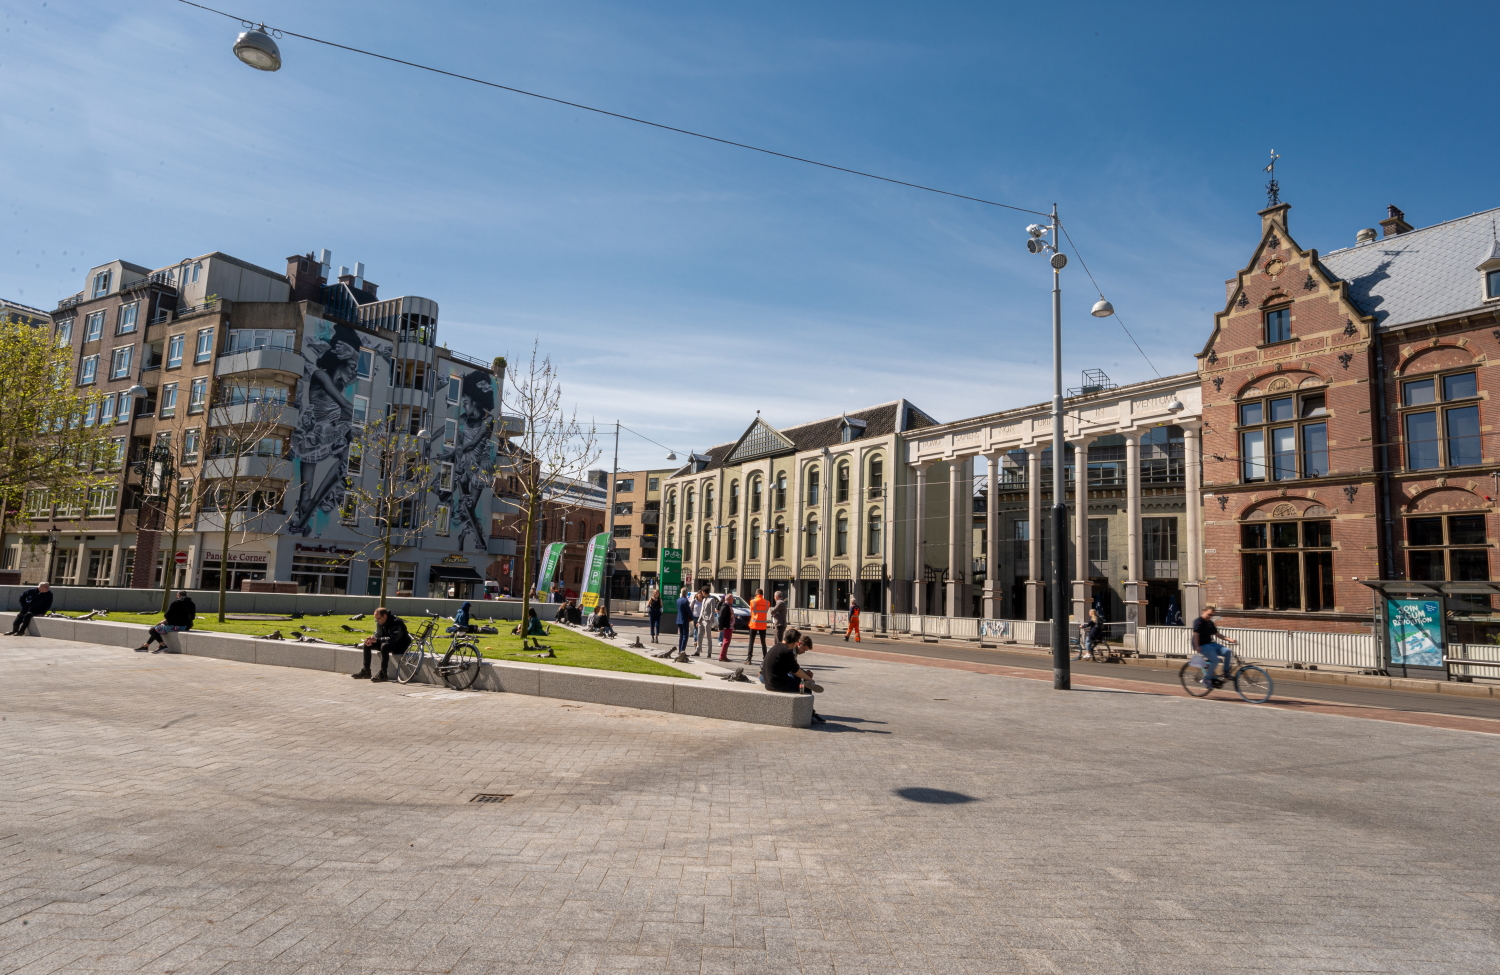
458 666
1251 682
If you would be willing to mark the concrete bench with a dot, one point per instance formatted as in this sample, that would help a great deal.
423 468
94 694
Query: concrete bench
675 695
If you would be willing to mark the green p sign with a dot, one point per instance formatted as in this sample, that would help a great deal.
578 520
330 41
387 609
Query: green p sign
670 575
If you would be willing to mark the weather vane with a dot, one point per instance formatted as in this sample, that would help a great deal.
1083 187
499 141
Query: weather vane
1273 188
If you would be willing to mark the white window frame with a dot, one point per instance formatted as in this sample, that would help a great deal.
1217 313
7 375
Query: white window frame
361 410
198 395
176 345
93 326
88 370
443 522
128 319
64 333
203 350
102 281
455 383
450 433
121 358
191 444
445 476
168 400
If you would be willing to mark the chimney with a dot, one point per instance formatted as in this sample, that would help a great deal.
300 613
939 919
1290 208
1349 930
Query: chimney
1365 236
359 276
1395 223
325 258
306 277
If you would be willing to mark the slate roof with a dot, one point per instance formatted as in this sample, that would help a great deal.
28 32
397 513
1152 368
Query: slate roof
897 416
1421 274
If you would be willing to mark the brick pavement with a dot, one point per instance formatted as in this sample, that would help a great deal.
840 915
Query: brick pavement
185 815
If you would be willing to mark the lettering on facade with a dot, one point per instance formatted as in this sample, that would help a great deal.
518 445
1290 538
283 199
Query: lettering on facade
455 559
258 558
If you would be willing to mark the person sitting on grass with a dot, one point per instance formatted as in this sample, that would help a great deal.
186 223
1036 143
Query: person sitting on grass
599 622
533 627
391 636
461 620
180 616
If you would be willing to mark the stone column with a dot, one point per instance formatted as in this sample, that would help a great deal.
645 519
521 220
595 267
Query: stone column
1036 592
957 550
919 539
797 525
825 522
1135 585
114 565
993 596
1083 586
1190 557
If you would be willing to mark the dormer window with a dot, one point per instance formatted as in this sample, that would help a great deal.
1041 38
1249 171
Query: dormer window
851 429
1278 325
1489 271
1492 284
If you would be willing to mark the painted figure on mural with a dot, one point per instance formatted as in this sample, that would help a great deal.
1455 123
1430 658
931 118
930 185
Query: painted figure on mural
320 443
472 456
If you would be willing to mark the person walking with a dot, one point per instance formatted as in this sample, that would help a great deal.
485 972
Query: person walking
726 625
35 601
853 627
778 615
391 636
653 614
180 617
708 618
759 611
684 620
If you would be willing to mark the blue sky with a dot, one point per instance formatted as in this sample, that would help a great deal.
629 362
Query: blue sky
683 285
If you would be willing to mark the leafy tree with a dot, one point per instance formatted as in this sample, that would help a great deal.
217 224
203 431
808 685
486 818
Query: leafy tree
48 439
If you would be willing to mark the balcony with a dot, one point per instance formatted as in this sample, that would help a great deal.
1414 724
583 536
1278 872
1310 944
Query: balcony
252 466
650 517
260 360
513 426
254 522
258 414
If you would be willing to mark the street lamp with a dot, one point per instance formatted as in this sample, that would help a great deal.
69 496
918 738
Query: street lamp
1043 239
255 48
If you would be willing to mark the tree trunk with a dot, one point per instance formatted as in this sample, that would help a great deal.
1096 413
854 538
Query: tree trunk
228 516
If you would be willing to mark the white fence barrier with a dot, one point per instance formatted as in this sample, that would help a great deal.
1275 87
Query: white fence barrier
1488 652
1357 650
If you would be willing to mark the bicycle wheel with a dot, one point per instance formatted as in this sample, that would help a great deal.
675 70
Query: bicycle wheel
1077 647
1192 680
409 665
461 666
1253 684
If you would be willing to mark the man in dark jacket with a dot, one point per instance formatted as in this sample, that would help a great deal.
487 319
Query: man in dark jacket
684 621
180 617
34 602
390 637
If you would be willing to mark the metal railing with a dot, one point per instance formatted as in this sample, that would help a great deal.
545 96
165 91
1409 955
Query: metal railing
1486 657
1356 650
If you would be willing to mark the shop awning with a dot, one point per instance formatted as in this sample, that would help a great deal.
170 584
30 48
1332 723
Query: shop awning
454 573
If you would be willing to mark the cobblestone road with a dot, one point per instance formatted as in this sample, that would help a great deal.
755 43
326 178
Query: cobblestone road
185 815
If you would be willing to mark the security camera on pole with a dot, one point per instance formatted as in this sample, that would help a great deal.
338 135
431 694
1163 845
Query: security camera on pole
1043 240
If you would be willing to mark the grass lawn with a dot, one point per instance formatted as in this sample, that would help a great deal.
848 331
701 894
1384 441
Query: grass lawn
573 649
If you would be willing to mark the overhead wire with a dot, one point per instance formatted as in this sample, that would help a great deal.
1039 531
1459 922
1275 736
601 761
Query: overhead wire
1079 254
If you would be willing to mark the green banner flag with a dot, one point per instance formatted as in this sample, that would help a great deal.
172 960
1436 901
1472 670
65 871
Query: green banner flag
670 575
593 570
551 556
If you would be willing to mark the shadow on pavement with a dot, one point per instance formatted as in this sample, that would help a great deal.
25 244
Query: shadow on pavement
937 796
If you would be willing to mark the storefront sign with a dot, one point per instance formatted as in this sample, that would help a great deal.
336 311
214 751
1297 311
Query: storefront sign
593 571
326 549
455 560
1414 632
550 557
257 558
671 575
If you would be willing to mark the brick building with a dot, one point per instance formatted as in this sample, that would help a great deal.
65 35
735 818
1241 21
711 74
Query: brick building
1347 429
637 528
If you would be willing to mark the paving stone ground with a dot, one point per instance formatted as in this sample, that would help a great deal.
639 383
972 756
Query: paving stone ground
174 814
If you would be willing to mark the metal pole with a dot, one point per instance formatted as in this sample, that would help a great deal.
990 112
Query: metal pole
609 550
1061 676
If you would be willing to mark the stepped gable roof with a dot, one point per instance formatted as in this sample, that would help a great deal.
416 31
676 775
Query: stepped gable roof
1421 274
897 416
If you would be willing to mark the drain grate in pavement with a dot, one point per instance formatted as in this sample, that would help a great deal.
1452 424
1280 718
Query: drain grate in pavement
491 797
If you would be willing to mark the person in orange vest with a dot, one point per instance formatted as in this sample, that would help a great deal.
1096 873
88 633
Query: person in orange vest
853 628
759 613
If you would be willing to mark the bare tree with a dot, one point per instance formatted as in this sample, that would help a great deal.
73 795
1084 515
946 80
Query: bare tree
388 478
553 447
242 485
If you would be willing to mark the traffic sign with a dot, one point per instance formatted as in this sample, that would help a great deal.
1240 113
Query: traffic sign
181 558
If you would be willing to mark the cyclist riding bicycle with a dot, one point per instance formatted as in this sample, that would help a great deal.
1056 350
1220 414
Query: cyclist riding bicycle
1205 642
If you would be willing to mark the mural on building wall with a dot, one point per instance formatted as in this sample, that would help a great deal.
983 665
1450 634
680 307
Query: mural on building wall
320 444
472 455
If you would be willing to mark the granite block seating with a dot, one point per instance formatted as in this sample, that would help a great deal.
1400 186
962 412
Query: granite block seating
676 695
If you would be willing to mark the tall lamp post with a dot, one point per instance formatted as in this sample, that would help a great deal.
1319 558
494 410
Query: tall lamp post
1044 239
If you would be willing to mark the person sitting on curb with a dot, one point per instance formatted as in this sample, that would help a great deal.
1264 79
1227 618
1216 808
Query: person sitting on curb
780 671
34 602
390 637
180 616
809 685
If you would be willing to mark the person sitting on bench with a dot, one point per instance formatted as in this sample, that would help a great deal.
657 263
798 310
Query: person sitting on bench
179 619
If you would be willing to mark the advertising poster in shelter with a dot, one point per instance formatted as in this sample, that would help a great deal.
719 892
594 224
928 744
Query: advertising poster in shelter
551 556
593 570
1414 632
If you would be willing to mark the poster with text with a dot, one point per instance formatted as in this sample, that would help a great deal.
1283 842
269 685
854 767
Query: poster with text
670 577
593 572
1414 632
551 555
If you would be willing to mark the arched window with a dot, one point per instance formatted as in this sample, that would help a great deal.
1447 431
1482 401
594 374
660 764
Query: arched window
687 548
874 529
877 477
583 532
672 506
731 544
687 504
841 534
755 495
708 543
841 492
708 501
734 498
812 486
753 541
778 540
812 539
781 491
